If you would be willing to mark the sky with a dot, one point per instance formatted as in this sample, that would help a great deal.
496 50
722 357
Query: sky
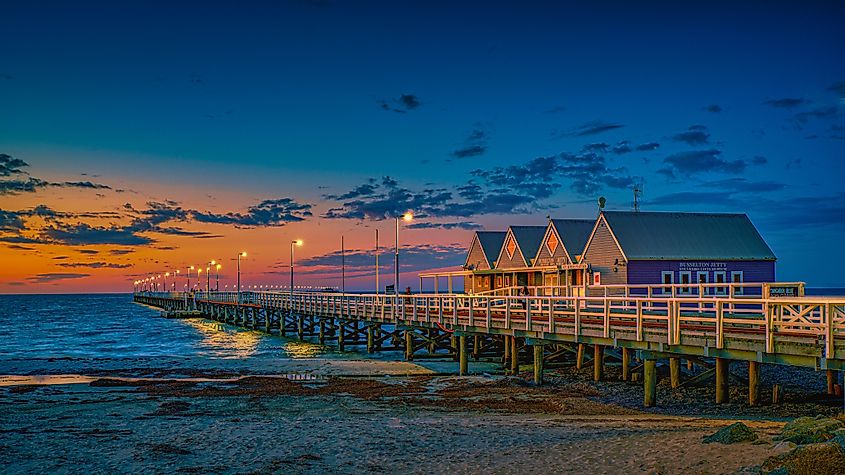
138 138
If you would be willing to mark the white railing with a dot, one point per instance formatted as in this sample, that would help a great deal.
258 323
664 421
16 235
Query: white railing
818 321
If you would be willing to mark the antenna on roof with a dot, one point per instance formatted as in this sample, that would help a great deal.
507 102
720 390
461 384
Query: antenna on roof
638 194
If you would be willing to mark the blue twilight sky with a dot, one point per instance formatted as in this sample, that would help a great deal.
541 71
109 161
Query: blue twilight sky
481 114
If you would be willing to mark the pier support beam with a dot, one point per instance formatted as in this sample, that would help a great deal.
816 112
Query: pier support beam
753 383
538 364
514 356
370 340
831 381
722 371
341 334
462 350
322 335
626 364
579 357
409 345
598 362
675 372
506 353
649 382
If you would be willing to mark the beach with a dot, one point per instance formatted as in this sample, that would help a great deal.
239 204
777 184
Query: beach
226 400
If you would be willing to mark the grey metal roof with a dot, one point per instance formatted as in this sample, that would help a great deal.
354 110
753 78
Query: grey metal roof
491 243
574 234
529 239
684 236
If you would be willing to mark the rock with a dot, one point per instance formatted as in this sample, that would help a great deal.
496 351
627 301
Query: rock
737 432
812 459
810 430
784 445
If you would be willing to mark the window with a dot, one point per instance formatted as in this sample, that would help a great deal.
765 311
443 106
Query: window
719 277
736 278
686 279
701 277
667 277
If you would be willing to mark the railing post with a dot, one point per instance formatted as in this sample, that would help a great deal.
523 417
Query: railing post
719 333
489 315
577 317
829 348
551 314
607 317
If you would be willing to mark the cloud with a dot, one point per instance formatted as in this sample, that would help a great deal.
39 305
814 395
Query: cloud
89 251
82 184
695 135
591 128
84 234
787 102
701 161
742 185
714 108
95 265
367 189
15 187
802 118
839 88
474 145
429 225
362 261
10 165
598 147
401 104
759 160
276 212
647 147
694 198
390 200
121 252
17 247
622 147
11 221
53 277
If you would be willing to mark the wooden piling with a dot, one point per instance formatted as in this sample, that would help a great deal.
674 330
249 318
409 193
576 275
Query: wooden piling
579 358
341 341
476 347
514 356
462 350
753 383
722 388
598 362
300 324
409 345
675 371
506 356
831 381
649 382
777 394
626 364
370 340
538 364
322 335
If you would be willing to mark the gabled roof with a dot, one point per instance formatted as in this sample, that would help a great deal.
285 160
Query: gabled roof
491 244
574 233
684 236
528 239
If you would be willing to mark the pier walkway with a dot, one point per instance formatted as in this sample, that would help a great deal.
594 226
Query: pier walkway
725 324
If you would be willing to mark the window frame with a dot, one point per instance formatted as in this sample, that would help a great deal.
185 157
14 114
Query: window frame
663 274
688 289
720 290
741 274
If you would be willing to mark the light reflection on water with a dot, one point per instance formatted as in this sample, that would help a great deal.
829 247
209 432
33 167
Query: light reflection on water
112 326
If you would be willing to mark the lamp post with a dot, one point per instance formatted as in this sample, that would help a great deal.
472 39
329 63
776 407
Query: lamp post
407 217
157 282
240 254
188 275
175 275
217 279
298 242
165 280
207 278
199 285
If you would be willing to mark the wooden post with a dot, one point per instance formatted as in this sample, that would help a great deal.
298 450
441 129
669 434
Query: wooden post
341 343
507 353
649 382
626 364
831 380
777 394
598 362
462 349
282 323
722 389
579 359
453 342
299 327
322 338
675 371
753 383
370 340
538 364
476 347
514 356
409 345
689 365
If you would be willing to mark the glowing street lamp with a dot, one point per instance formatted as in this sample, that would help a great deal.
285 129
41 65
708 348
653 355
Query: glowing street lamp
298 242
188 275
407 217
199 285
166 274
240 254
217 278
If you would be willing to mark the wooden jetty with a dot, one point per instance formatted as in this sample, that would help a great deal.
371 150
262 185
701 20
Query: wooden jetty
643 322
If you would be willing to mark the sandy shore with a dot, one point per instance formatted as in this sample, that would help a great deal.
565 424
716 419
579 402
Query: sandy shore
406 424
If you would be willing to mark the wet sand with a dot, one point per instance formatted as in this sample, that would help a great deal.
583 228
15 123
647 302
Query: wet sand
413 423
